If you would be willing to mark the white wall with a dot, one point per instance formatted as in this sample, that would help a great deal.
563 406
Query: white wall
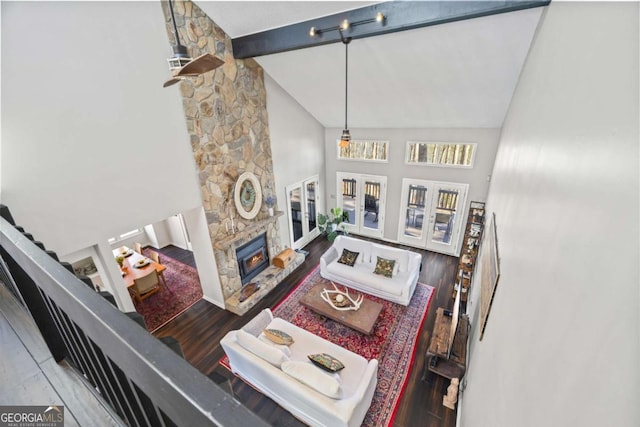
92 145
296 145
164 233
198 229
561 346
176 234
158 234
396 169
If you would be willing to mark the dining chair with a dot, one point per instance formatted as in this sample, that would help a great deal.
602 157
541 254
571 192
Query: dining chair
145 286
138 248
155 257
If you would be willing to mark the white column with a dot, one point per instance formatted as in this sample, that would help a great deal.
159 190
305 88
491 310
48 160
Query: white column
196 223
114 278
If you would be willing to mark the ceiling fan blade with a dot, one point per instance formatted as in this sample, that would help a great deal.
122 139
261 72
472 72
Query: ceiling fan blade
171 81
200 65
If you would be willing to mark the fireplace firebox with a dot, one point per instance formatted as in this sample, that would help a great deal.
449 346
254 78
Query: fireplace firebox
252 258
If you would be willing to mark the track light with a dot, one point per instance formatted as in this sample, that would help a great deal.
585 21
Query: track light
345 25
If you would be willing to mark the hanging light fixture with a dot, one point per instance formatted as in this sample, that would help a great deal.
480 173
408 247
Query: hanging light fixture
345 139
346 25
181 65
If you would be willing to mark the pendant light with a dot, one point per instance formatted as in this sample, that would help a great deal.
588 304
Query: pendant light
181 65
345 138
346 25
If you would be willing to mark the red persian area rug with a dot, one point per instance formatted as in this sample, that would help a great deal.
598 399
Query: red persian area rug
182 291
393 341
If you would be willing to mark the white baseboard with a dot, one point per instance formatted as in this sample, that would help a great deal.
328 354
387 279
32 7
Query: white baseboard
212 301
459 412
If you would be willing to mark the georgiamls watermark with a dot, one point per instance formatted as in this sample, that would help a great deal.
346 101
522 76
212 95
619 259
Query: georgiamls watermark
31 416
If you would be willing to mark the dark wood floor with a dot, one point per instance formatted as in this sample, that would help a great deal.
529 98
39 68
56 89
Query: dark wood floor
200 329
181 255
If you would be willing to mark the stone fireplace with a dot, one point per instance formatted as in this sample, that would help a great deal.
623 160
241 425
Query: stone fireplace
228 126
230 268
225 251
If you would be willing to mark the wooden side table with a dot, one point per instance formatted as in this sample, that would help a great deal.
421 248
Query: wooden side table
455 366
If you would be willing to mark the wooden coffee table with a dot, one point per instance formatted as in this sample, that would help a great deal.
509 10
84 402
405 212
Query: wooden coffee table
362 320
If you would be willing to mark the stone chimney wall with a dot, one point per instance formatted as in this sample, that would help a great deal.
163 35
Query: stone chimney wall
227 122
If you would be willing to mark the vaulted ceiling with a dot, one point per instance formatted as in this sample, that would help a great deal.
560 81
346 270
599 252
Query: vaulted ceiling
458 74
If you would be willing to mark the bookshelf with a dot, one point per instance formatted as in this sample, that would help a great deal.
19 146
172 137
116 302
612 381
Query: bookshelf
469 254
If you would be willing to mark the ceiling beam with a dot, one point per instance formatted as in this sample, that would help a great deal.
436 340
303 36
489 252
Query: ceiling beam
399 16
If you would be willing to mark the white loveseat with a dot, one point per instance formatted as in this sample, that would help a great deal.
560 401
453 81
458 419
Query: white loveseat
263 368
399 288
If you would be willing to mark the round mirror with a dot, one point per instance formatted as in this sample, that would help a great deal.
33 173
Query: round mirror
248 195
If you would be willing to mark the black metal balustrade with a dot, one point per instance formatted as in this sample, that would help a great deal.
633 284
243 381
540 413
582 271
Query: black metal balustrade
349 188
144 381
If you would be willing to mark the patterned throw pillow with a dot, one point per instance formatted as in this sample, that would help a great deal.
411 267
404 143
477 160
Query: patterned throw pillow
348 257
278 336
326 362
384 267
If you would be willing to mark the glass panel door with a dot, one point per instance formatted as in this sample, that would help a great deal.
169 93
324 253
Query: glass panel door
348 198
362 197
446 207
311 205
412 214
373 205
445 220
294 206
429 214
301 207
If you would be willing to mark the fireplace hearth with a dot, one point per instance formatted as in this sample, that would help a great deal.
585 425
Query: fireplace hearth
244 257
252 258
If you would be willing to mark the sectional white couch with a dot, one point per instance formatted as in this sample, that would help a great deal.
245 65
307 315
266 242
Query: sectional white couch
399 288
264 366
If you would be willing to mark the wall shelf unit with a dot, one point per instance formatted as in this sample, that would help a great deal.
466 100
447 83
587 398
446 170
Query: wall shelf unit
469 254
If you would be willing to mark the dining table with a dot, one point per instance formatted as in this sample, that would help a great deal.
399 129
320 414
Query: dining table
131 269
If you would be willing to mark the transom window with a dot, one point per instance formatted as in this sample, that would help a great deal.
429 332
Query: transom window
365 150
441 154
123 236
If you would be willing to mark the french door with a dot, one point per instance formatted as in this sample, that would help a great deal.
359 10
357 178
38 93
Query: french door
301 207
431 214
363 198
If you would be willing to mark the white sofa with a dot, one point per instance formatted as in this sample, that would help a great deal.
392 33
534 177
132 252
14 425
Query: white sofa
399 288
357 380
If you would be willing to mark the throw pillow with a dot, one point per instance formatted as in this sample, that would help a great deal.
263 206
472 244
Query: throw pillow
401 257
278 336
258 323
348 257
283 348
306 373
261 349
384 267
326 362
